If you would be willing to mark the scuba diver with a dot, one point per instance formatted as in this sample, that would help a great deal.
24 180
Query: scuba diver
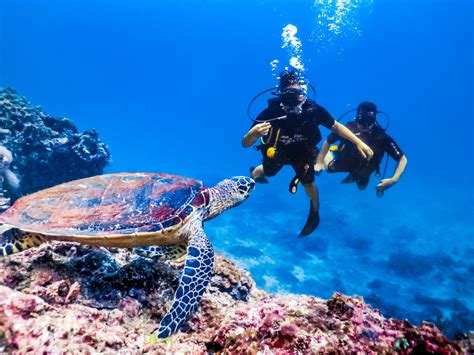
291 126
348 159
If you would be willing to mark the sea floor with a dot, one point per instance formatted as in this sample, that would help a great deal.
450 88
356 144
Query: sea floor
408 254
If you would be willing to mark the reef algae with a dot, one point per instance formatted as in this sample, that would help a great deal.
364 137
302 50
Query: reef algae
65 297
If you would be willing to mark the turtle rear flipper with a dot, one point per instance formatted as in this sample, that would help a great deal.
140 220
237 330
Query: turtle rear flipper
194 279
13 240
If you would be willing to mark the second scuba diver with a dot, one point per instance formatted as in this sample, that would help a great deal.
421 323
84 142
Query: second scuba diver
291 123
347 157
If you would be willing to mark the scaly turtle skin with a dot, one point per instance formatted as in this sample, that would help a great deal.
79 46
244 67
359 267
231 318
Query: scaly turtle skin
159 215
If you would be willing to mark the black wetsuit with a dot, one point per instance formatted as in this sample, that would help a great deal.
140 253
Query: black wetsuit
297 138
349 159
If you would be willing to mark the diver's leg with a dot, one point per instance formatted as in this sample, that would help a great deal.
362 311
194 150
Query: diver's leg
198 270
13 240
304 169
343 163
313 194
337 166
270 167
161 253
303 165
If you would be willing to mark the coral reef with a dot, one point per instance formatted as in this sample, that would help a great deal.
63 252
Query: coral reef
65 297
9 182
46 150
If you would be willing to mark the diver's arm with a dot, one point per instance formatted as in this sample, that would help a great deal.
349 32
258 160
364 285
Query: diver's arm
402 163
386 183
255 133
323 152
346 133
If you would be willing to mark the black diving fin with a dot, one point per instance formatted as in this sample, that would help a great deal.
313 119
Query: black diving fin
311 223
349 179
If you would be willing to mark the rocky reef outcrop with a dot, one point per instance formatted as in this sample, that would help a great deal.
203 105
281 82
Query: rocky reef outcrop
45 150
68 298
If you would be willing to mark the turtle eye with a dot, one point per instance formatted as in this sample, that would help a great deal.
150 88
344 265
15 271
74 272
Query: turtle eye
243 189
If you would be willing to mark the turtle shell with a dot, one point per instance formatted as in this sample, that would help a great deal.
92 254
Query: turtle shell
109 206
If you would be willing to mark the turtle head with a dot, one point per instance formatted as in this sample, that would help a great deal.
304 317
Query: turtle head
229 193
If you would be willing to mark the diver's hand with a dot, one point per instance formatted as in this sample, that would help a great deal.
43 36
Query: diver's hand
260 129
318 167
385 184
365 151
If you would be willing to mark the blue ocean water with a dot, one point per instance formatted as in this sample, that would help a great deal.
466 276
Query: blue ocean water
167 85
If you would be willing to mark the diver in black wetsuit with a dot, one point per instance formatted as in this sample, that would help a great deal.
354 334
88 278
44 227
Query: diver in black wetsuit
348 159
291 126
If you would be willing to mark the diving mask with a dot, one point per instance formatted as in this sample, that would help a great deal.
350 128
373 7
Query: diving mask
292 101
293 97
366 119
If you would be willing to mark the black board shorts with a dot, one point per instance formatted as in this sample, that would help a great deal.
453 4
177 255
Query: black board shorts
302 161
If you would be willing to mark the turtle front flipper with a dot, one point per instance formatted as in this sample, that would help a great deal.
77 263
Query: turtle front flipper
161 253
196 275
13 240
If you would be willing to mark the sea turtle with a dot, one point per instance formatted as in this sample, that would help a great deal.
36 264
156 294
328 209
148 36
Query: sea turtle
159 215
